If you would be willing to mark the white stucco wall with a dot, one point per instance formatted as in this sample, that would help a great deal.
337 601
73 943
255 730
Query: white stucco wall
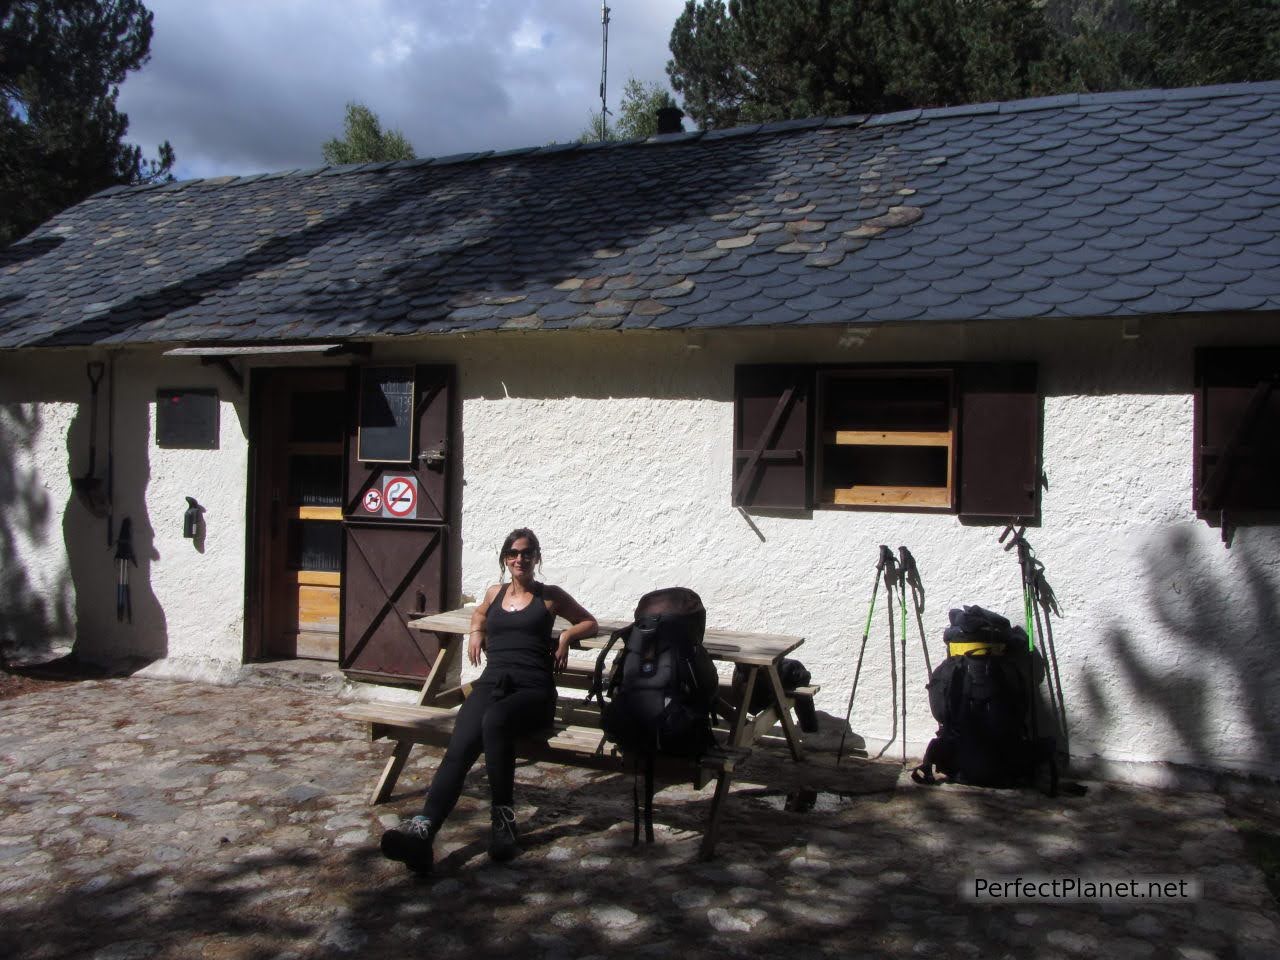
187 604
616 449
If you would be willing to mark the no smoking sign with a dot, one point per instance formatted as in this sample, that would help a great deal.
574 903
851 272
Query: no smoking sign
400 497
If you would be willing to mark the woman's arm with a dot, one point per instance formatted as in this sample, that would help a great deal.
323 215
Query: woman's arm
476 637
583 623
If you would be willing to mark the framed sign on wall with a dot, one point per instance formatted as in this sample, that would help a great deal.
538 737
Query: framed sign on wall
187 419
385 430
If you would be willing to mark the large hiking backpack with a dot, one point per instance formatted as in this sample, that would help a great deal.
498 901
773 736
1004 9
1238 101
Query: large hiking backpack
660 692
662 686
982 702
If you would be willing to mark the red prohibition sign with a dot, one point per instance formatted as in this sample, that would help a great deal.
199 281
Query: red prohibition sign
373 500
401 496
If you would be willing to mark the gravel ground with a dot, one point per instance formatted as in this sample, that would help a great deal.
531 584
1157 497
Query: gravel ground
146 818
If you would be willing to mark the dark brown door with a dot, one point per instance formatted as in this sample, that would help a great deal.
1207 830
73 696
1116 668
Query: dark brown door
297 533
395 517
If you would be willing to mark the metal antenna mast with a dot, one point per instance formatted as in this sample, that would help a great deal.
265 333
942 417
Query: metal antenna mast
604 70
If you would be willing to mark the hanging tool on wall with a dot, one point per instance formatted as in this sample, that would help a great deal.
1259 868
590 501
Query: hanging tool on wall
124 557
89 488
886 568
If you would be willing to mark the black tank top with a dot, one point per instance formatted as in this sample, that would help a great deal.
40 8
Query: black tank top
518 642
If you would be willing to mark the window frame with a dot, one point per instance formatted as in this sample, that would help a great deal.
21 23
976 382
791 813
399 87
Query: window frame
883 496
1236 398
994 450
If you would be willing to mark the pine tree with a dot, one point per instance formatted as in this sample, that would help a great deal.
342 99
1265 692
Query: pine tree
364 140
751 60
61 136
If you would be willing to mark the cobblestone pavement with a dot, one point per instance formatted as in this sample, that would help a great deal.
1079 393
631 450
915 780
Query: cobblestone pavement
146 818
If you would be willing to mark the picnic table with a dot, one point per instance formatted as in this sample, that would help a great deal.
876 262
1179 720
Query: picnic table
576 738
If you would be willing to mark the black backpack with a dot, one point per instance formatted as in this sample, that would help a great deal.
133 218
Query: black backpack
661 689
982 703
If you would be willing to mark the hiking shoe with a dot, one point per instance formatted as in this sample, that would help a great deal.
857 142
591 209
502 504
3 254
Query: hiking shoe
409 842
502 842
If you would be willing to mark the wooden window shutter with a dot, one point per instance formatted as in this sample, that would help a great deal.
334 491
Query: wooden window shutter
772 465
1237 431
999 442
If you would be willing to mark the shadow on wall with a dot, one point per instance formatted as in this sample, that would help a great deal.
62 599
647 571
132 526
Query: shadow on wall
1216 627
102 634
32 616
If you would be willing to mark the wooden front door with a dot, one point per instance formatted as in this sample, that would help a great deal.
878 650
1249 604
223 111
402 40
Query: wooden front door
299 453
400 474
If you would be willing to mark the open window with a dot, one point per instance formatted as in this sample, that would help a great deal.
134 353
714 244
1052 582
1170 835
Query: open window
1237 435
887 438
959 438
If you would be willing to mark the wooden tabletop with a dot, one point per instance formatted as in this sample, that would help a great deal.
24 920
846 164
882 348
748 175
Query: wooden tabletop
754 649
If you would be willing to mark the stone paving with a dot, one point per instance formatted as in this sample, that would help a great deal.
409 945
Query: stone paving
146 818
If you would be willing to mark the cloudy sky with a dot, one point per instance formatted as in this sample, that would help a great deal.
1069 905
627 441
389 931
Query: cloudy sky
246 86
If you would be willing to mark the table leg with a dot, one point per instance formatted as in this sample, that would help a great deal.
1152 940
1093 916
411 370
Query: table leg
708 848
784 713
391 772
738 734
450 648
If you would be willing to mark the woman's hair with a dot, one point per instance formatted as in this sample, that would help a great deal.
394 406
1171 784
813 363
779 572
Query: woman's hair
512 537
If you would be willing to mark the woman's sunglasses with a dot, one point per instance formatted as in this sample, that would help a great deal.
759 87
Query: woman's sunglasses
525 555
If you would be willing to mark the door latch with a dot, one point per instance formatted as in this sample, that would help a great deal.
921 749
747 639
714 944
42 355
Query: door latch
433 457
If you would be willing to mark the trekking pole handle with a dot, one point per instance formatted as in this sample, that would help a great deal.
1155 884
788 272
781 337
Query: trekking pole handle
1017 537
886 557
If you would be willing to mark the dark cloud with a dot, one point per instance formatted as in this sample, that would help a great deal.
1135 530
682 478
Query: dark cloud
242 86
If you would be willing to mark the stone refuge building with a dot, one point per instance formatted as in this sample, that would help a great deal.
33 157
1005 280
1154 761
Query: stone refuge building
736 360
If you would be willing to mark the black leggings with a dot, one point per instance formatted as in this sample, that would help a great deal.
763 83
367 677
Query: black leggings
488 724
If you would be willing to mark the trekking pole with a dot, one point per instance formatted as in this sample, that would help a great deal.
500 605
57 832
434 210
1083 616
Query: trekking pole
892 580
911 575
902 641
1028 564
885 557
1024 565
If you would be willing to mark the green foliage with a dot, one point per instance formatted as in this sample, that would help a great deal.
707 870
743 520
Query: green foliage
637 113
61 136
1195 42
365 141
755 60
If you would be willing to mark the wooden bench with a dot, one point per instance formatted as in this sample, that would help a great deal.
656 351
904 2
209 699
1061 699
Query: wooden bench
566 743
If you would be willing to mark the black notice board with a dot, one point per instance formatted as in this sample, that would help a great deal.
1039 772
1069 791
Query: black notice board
187 419
386 415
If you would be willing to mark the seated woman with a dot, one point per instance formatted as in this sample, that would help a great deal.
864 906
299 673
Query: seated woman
516 693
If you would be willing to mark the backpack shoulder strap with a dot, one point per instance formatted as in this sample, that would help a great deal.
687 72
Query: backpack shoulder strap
596 689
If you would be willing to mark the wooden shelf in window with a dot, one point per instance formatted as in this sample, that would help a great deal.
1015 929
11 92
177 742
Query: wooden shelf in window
319 513
890 438
866 495
318 578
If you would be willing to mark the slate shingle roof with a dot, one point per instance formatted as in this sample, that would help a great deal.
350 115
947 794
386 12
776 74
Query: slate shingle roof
1110 204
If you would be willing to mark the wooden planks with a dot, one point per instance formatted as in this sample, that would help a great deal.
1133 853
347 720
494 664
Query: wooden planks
867 495
890 438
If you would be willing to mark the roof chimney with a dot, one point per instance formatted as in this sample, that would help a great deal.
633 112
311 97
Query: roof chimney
669 120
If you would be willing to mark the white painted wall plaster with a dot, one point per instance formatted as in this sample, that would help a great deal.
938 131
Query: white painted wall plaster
186 603
616 449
